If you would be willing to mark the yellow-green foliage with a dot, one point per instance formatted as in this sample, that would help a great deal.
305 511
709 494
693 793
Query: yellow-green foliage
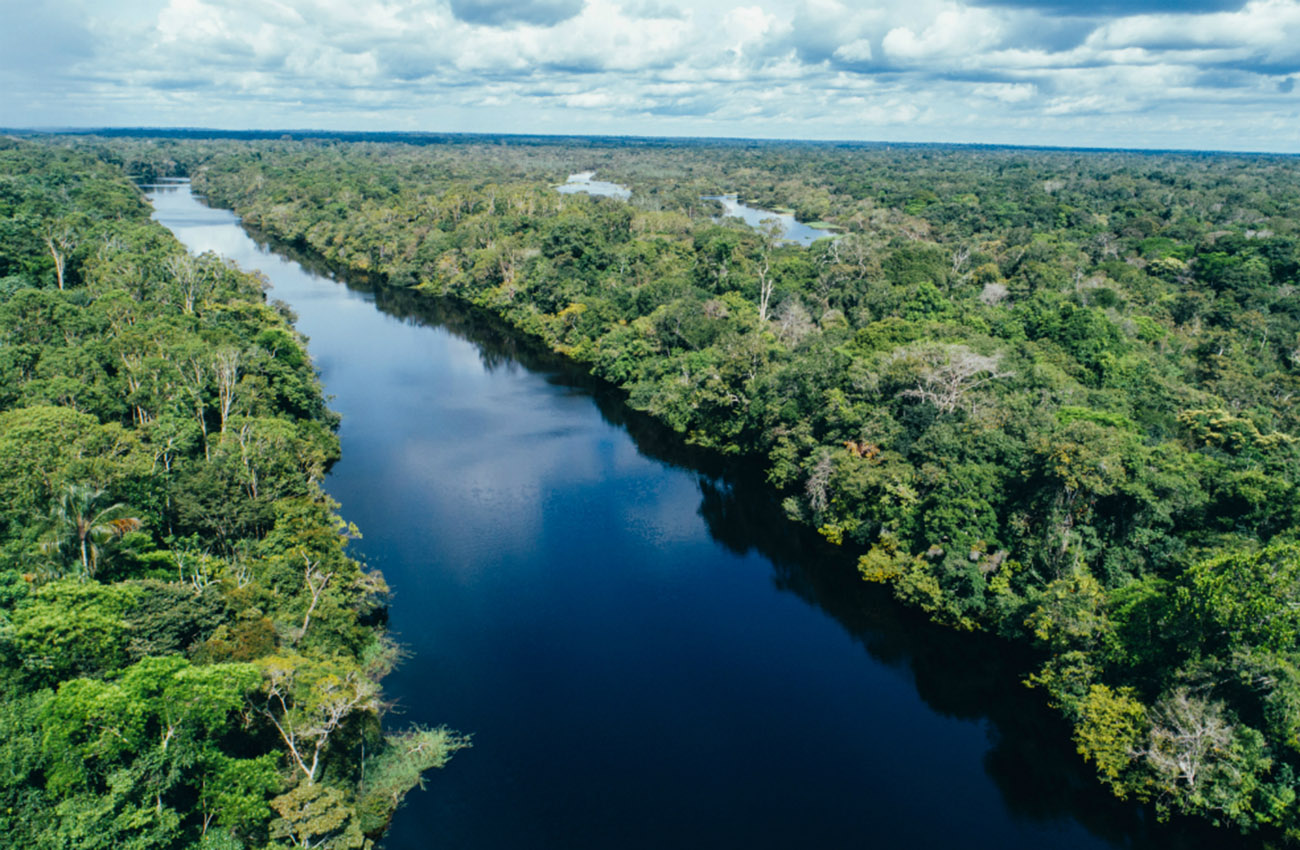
1112 724
181 629
1067 415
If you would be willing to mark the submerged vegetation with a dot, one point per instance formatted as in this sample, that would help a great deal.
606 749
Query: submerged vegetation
188 657
1049 395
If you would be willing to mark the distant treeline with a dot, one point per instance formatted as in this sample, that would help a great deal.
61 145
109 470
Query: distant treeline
666 143
188 658
1051 395
432 138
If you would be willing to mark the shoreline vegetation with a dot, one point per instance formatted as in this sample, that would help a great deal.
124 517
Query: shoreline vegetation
188 656
1048 395
1045 394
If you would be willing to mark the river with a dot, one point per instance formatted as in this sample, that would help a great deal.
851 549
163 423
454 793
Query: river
791 230
647 653
584 181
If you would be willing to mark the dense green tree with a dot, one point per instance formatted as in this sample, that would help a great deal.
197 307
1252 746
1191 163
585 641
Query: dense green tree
81 525
1048 394
168 561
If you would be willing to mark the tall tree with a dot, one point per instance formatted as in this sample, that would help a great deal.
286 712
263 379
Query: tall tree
80 521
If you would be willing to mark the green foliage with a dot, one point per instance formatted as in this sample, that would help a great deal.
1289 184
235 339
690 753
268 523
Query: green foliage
1248 599
1030 391
166 703
168 562
398 768
316 815
68 628
1110 730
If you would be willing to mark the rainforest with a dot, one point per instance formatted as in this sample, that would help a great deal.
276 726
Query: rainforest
188 656
1046 396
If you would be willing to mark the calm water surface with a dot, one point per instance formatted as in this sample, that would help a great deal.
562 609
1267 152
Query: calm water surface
791 230
584 181
647 658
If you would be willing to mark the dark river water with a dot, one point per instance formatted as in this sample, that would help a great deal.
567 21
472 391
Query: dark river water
647 654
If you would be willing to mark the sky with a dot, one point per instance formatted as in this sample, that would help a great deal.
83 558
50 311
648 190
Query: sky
1199 74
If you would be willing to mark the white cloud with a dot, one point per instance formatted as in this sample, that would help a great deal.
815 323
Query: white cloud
1006 92
746 26
590 100
899 69
1260 23
954 32
858 50
1087 104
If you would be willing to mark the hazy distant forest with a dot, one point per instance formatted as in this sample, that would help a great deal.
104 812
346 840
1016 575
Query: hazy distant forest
1052 395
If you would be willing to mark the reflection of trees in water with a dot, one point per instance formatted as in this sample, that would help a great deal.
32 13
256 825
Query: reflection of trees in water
967 676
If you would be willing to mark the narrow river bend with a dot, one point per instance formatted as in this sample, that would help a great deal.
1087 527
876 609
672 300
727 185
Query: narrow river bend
648 655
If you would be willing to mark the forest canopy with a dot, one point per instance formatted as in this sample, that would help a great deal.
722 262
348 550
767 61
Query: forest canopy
188 656
1047 394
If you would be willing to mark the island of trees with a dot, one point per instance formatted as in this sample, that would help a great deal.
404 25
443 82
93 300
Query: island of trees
188 657
1050 395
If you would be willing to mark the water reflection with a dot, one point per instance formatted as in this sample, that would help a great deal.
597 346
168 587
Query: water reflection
584 182
1029 757
792 231
649 653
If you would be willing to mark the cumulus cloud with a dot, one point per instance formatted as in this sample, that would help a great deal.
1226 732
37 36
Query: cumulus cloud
821 28
746 26
957 70
1260 24
858 50
954 32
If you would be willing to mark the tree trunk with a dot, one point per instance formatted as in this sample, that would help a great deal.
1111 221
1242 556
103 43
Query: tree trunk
58 260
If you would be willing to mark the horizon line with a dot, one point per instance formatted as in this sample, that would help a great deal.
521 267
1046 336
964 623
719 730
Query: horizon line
306 133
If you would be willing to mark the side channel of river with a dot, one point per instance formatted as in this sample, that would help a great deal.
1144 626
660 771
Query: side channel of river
791 230
648 655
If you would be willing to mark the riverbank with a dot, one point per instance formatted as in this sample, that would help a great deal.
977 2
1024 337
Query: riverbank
551 548
1018 455
188 655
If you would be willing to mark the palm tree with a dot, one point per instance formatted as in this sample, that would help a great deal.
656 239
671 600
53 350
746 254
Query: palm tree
77 519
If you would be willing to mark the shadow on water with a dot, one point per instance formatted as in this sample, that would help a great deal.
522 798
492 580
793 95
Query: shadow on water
966 676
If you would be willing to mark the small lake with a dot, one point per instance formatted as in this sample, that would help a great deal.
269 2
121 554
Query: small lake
648 654
791 230
585 181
